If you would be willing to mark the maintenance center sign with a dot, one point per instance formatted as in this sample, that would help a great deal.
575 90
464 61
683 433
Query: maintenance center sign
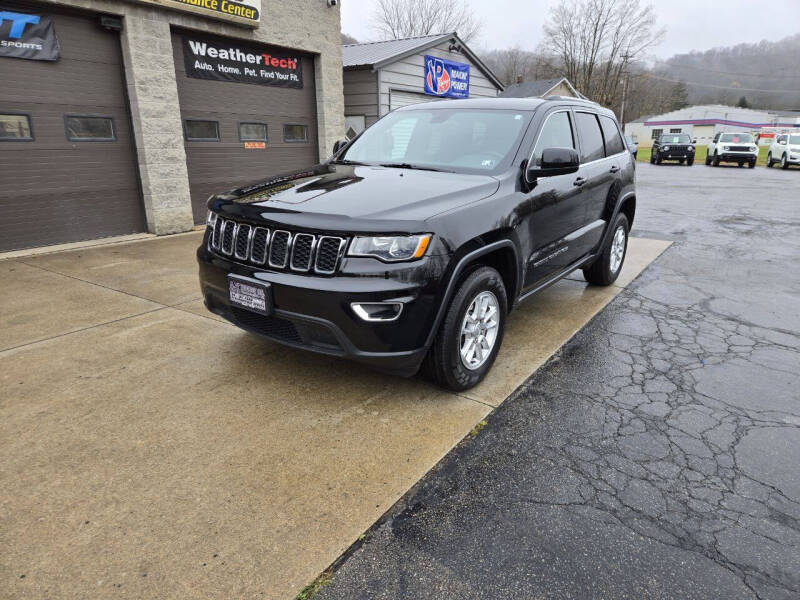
446 78
228 60
243 12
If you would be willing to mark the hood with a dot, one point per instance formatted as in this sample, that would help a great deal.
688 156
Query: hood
356 198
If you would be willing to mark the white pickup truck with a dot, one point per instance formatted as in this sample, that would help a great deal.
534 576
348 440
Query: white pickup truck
784 149
732 147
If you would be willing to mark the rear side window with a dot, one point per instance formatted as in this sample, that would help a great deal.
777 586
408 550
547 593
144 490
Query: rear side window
591 138
89 129
15 127
614 143
556 133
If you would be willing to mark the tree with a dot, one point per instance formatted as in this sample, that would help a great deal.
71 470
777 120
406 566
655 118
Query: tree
742 103
348 39
396 19
596 40
513 63
680 96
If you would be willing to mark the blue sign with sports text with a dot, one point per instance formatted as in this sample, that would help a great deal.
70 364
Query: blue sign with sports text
445 78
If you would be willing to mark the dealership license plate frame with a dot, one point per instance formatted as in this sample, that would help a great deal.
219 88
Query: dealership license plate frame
250 294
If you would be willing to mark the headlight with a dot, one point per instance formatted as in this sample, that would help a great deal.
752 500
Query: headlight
391 248
691 148
726 147
666 148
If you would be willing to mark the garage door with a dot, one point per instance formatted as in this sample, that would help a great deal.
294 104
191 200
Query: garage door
67 160
398 99
238 128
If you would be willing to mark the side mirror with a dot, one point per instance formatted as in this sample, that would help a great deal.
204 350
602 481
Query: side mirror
339 145
694 141
555 161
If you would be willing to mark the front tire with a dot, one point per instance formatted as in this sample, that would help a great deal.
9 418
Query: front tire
715 162
471 333
606 267
752 165
769 160
784 162
690 162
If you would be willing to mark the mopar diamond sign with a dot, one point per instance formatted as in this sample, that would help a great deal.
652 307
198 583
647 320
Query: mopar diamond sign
30 36
446 78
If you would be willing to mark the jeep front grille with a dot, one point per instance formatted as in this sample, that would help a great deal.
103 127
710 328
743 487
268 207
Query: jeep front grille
280 249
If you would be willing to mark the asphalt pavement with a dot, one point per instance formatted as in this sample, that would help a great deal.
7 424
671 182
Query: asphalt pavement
657 455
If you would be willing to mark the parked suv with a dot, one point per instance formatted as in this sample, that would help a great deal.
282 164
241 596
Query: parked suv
732 147
413 243
673 146
785 149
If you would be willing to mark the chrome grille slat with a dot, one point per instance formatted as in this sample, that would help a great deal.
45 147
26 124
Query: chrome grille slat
329 249
302 251
241 246
280 249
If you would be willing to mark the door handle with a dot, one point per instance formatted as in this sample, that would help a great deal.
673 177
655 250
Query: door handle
613 169
579 181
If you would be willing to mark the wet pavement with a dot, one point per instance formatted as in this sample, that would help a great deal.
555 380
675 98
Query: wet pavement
658 454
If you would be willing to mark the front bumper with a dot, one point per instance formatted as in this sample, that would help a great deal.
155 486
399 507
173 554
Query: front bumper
315 313
742 157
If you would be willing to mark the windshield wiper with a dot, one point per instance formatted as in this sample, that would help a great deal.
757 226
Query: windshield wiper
348 162
410 166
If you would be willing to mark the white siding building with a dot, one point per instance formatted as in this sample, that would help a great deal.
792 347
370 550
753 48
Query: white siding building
703 122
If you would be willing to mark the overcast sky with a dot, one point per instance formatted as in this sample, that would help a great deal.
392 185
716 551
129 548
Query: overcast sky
690 24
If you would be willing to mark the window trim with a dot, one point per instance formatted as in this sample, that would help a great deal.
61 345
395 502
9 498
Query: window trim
266 130
573 127
305 141
115 138
619 132
189 139
596 116
654 136
29 116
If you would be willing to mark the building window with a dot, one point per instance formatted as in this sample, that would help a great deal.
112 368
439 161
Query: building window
15 128
89 128
201 131
678 130
253 132
656 133
293 132
354 124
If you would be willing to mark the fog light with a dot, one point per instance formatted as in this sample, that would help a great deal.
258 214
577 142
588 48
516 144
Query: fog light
377 311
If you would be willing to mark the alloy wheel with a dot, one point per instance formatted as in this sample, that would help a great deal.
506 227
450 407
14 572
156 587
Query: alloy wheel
479 330
617 249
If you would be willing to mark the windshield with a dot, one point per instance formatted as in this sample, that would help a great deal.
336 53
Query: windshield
736 138
676 138
448 139
794 139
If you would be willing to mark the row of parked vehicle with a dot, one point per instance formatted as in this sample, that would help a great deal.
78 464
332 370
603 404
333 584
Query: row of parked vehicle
732 147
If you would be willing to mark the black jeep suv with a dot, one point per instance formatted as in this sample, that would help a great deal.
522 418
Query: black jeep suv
412 244
673 146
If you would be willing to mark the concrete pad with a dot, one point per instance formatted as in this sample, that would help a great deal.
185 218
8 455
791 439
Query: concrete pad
37 304
171 456
543 323
163 269
198 307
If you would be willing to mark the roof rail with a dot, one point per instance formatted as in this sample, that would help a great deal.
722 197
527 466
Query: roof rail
586 100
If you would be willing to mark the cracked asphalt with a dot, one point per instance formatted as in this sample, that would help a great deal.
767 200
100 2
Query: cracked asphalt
657 455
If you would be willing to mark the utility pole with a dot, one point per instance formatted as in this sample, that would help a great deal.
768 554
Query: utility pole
625 58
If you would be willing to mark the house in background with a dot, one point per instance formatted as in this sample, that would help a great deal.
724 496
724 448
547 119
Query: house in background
541 88
381 76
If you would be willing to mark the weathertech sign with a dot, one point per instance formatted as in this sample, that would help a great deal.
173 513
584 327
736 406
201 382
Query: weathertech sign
228 60
245 12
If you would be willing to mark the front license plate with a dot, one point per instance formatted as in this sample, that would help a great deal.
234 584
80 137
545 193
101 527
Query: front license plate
252 295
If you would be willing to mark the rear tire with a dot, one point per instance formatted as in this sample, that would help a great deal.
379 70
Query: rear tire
690 162
606 267
448 360
752 165
708 160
